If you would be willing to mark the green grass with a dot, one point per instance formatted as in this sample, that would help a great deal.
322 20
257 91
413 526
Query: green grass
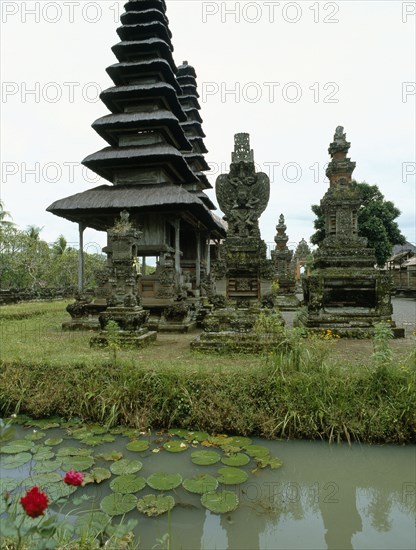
301 392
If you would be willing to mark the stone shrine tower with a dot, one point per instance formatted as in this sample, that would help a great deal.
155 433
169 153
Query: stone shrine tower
344 291
284 296
242 272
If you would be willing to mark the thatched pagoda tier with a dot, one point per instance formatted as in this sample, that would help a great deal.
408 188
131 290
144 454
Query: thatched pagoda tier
136 49
119 99
145 71
112 127
144 31
145 16
116 163
99 207
134 5
193 128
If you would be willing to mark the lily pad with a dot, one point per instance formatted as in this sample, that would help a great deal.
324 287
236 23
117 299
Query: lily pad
219 440
175 446
155 505
55 491
201 484
240 441
17 446
128 484
44 424
108 438
239 459
179 432
117 504
197 436
163 481
47 466
52 441
126 466
92 523
8 484
35 436
77 463
96 475
232 476
112 455
92 440
15 461
97 429
72 451
220 503
274 463
43 454
42 479
230 449
257 451
138 446
205 458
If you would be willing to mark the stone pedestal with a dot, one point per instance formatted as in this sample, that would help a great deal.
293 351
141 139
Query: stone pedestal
344 292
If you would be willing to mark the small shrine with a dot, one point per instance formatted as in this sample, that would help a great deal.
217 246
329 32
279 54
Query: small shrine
284 284
242 273
300 259
123 275
344 291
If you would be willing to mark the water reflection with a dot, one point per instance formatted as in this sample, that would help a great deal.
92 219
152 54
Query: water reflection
324 497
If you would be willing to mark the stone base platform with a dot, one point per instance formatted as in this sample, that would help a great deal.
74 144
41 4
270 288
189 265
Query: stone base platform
229 341
125 339
286 302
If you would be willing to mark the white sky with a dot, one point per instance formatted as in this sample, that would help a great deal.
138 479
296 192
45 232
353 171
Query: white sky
357 56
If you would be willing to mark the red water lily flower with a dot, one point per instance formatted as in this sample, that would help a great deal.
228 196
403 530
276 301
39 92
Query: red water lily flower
34 502
74 478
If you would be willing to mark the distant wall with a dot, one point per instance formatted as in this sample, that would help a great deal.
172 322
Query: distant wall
15 295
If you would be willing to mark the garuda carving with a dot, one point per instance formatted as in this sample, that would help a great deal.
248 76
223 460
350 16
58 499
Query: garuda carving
243 196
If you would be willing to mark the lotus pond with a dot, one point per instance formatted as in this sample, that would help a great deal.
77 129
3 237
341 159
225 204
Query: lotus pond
188 490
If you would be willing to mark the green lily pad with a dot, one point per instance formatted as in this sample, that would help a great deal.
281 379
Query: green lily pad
179 432
201 484
43 454
205 458
72 451
131 433
126 466
117 504
15 461
55 491
52 441
257 451
17 446
239 459
128 484
220 503
274 463
97 429
240 441
175 446
138 446
97 475
113 455
219 440
92 523
42 479
77 463
232 476
47 466
35 436
44 424
230 449
8 484
197 436
92 440
163 481
155 505
108 438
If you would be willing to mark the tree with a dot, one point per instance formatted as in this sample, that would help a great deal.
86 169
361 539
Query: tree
3 215
376 222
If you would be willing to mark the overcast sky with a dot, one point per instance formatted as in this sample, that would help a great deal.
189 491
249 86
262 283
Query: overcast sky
287 73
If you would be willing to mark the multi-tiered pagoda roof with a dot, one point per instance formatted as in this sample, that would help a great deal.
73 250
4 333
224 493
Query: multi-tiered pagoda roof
154 158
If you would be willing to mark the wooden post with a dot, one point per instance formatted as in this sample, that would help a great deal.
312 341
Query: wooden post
81 228
177 225
198 260
208 254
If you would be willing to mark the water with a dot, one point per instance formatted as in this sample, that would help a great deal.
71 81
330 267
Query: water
335 497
